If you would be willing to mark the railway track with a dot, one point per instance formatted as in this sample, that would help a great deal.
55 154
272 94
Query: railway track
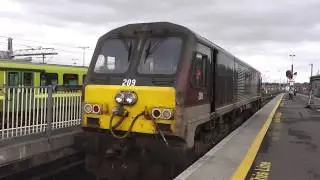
52 170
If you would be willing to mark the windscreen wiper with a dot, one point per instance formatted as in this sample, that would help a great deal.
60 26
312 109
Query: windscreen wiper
128 44
152 48
129 49
147 51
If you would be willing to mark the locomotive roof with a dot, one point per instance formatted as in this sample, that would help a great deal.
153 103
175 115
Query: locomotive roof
171 27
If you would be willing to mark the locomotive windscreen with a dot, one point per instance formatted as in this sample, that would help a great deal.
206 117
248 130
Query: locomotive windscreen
160 55
146 57
114 56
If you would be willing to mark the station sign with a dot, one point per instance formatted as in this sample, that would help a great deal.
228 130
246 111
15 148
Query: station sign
291 82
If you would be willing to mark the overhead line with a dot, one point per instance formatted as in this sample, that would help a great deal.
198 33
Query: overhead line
57 44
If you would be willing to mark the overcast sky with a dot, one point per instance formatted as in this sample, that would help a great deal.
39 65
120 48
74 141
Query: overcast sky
261 33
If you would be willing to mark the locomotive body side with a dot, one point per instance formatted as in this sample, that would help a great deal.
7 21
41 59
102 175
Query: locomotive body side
229 87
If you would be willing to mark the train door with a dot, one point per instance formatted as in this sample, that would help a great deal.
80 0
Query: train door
199 93
204 55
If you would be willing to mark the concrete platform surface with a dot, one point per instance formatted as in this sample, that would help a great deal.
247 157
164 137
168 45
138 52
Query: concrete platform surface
20 148
223 160
25 152
291 147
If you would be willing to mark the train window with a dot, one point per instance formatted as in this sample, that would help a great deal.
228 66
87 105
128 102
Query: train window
70 79
199 70
114 56
160 55
20 78
13 79
27 79
49 79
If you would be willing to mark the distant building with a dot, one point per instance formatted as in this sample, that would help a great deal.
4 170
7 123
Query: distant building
4 55
272 87
315 84
7 54
302 87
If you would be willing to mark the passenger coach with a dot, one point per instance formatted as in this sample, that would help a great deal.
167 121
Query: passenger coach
162 80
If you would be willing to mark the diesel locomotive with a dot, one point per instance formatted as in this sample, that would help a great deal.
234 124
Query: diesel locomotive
159 87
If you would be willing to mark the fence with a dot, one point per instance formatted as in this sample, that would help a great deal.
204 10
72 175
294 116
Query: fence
29 110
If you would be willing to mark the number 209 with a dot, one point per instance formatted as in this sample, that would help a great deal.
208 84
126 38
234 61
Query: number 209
128 82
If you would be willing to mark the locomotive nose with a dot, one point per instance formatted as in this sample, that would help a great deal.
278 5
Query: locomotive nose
134 109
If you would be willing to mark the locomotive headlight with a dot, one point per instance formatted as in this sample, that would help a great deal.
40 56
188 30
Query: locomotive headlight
166 114
120 97
131 98
87 108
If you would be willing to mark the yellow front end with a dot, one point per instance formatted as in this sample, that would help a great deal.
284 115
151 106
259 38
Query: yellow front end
148 98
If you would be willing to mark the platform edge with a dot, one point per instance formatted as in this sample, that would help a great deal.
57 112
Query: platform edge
247 161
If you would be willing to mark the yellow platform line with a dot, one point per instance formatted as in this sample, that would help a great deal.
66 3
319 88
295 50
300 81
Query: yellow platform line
246 163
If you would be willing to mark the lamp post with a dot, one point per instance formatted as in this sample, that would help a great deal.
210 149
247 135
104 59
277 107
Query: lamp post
311 69
292 55
291 83
84 52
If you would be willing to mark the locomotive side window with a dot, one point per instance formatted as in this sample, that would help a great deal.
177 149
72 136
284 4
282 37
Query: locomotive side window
199 70
114 56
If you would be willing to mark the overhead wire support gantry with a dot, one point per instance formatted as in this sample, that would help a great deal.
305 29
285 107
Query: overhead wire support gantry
35 52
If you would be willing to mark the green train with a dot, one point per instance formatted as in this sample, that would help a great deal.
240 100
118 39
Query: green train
22 73
18 73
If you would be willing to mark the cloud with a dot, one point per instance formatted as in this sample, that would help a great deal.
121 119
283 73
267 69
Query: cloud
250 20
262 33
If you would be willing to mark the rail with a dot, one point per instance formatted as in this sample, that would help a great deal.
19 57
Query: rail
30 110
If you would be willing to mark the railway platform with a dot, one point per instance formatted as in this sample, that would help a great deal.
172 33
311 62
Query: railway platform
26 152
37 128
280 141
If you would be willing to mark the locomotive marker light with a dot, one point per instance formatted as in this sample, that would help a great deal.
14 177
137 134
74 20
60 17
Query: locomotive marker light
96 109
87 108
156 113
166 114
